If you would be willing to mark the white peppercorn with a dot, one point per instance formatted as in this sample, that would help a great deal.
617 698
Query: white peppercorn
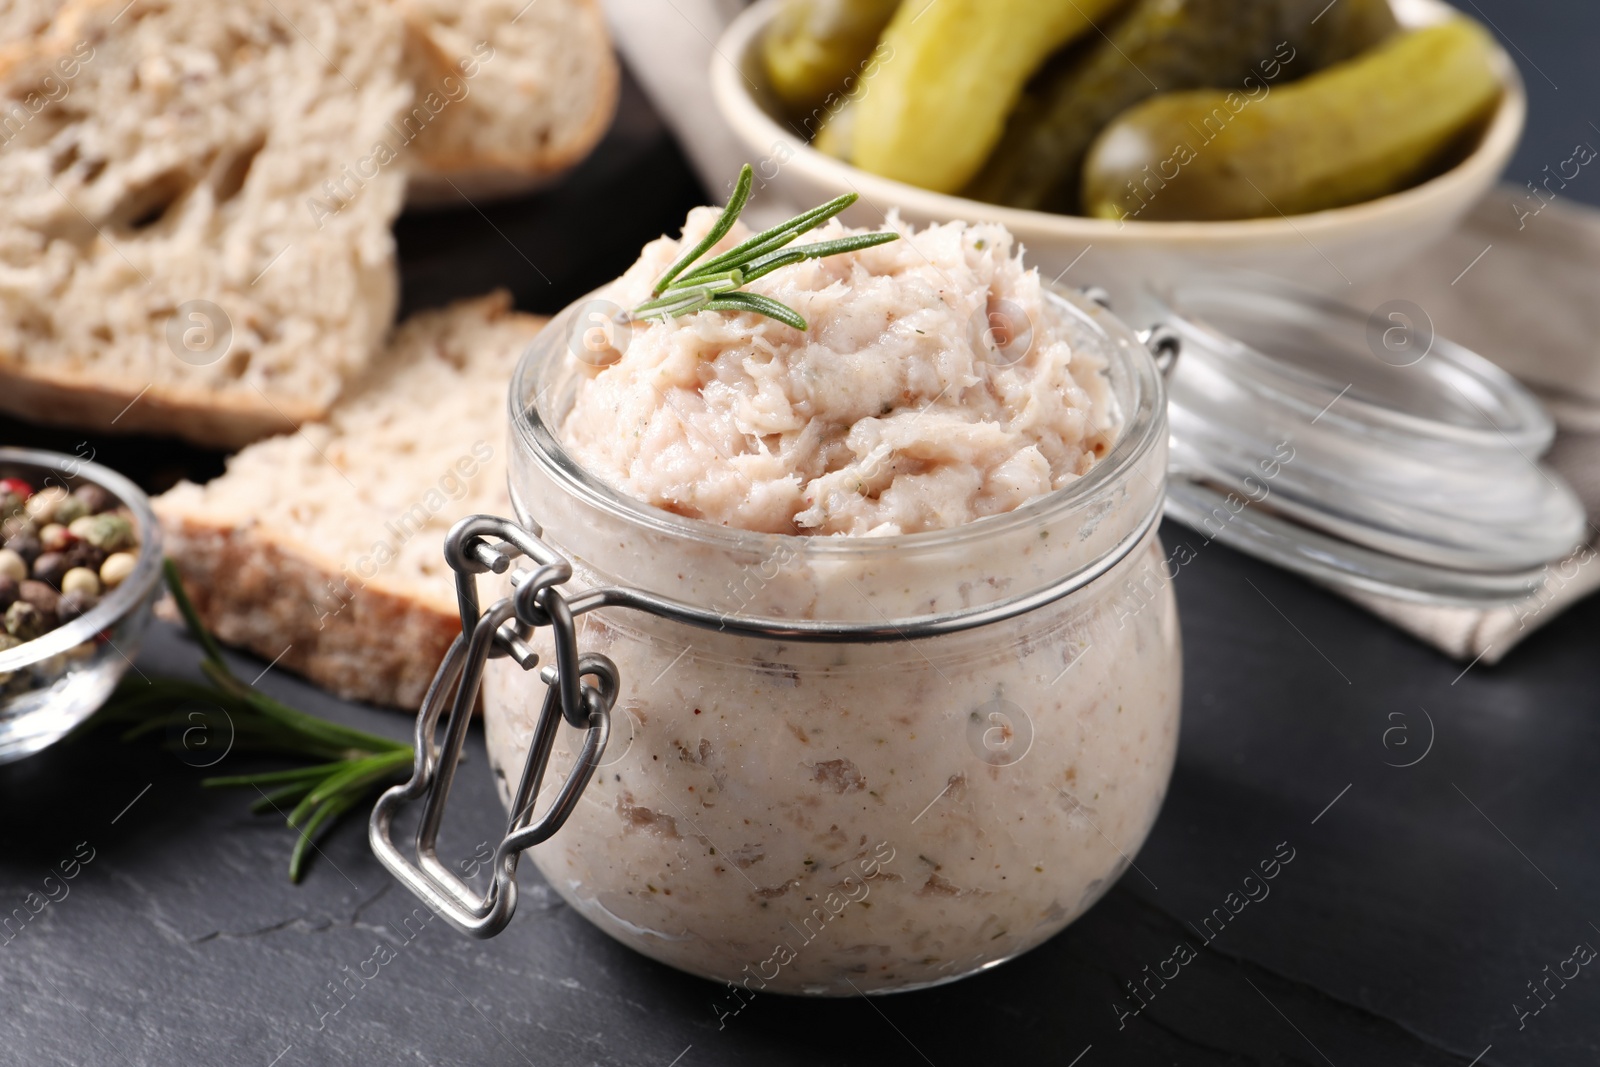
115 570
81 580
43 504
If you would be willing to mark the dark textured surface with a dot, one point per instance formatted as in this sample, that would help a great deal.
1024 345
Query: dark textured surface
1414 914
1401 933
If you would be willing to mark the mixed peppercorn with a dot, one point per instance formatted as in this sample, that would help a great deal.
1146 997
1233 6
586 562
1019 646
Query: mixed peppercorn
63 551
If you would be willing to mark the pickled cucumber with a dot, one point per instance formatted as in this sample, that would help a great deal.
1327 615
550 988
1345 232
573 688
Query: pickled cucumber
1162 46
951 72
815 47
1355 131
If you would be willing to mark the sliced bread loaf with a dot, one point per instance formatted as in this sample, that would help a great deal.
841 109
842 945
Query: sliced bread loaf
518 91
508 93
195 212
324 547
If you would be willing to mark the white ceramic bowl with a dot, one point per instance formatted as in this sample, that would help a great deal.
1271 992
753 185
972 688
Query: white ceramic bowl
1325 251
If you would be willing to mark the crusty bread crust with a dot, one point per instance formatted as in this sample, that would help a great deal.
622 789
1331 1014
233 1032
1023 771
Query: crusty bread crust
58 396
268 582
256 593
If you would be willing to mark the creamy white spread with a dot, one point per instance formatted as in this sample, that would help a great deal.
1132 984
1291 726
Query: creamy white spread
932 387
831 819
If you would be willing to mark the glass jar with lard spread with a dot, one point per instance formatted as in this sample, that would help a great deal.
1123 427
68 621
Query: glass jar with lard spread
870 728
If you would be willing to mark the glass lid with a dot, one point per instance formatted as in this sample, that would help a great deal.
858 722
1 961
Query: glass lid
1358 447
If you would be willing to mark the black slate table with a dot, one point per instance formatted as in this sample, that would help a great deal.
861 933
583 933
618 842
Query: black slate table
1441 820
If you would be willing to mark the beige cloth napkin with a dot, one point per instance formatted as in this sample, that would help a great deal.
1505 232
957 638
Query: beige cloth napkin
1523 289
1519 282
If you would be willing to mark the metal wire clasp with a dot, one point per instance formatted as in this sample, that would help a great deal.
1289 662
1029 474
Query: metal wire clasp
581 690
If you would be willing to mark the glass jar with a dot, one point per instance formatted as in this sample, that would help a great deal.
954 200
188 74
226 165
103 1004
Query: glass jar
854 806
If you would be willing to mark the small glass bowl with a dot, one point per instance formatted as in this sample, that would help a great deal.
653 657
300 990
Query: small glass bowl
51 684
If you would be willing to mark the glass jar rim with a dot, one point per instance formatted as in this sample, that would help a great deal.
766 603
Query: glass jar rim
1505 416
1144 425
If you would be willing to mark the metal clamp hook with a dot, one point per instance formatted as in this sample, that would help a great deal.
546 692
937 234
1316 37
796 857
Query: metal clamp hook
571 695
1165 344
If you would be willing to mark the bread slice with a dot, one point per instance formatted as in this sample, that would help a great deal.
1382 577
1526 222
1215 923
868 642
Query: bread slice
517 92
324 547
194 215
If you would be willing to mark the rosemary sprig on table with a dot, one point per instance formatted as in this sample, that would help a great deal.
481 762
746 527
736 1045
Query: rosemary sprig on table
348 764
715 285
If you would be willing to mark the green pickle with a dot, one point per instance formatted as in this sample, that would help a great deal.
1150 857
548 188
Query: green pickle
1161 46
950 73
816 47
1364 128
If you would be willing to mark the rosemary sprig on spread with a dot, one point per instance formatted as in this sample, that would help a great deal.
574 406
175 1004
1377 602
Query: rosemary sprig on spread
348 764
715 285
